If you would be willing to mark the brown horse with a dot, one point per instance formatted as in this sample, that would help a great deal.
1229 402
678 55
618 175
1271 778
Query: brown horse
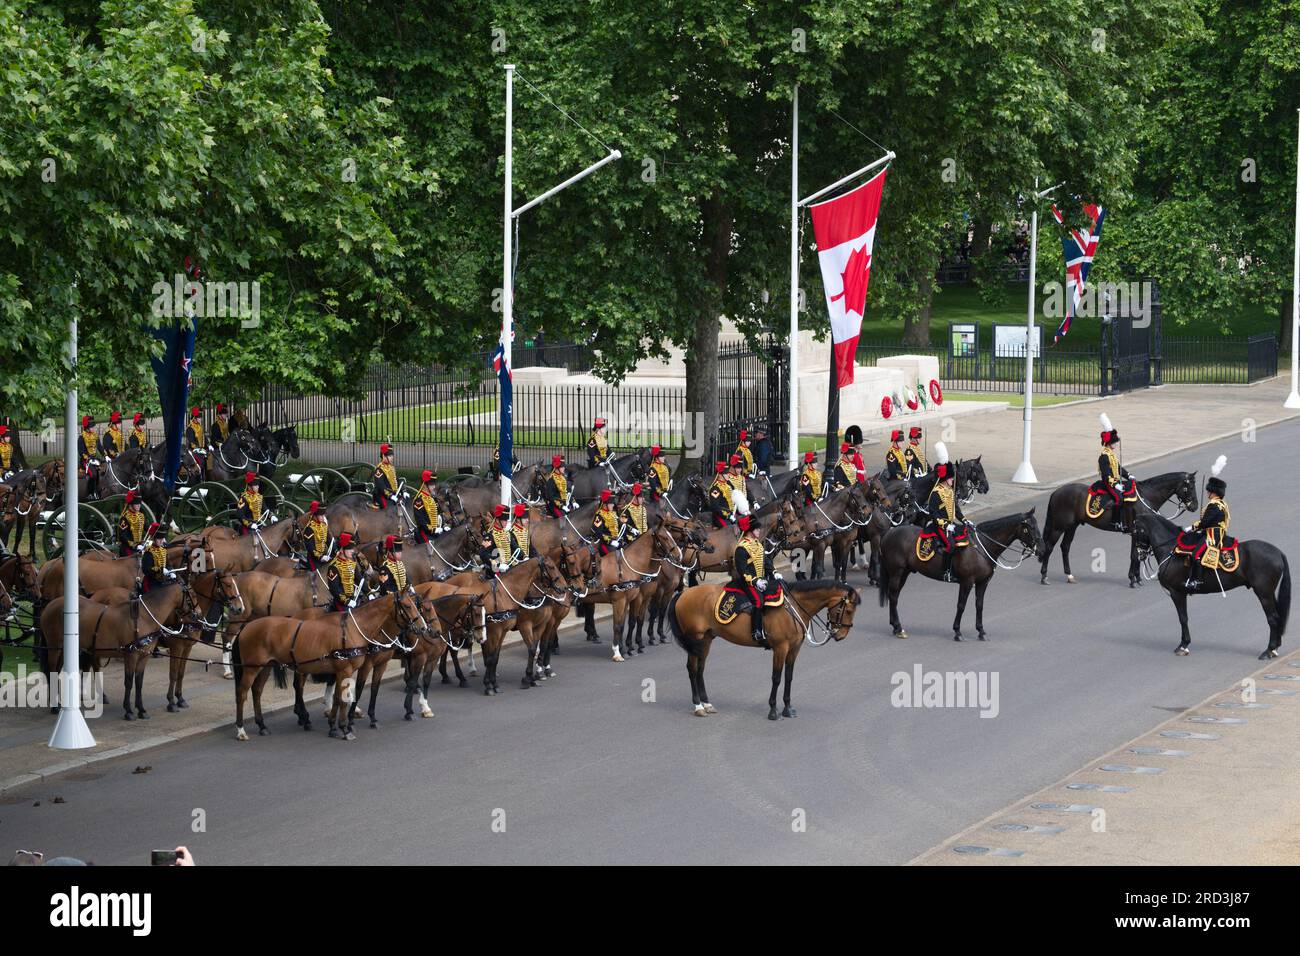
333 646
458 619
243 552
129 630
694 624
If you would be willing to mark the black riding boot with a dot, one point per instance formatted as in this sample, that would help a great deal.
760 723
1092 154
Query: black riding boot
1193 581
947 566
756 626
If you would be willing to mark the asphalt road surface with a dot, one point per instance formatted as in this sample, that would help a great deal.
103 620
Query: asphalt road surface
583 770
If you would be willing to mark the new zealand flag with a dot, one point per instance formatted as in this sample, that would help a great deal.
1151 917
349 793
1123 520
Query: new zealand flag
502 368
173 374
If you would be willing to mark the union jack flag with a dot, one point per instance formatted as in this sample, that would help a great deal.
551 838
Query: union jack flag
1079 246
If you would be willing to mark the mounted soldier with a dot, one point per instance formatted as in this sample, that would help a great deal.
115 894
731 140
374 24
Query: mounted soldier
428 517
597 444
112 443
633 515
1114 480
392 570
385 478
896 464
659 480
342 576
6 454
153 561
130 527
505 545
220 426
556 489
739 489
914 453
318 536
249 505
605 525
1202 541
720 501
945 518
88 453
137 438
810 479
853 438
749 575
744 454
194 444
845 472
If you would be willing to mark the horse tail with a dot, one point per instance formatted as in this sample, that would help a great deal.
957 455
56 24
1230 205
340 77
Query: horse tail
1284 596
678 634
1047 525
278 675
882 579
236 662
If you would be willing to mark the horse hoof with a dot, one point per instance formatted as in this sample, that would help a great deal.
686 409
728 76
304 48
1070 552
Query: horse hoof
525 684
1182 650
182 703
334 732
374 724
789 712
709 708
307 726
1043 581
618 658
901 635
464 683
446 680
1071 579
239 734
407 716
262 732
700 711
773 715
230 676
982 636
128 716
426 712
171 708
1268 655
349 736
956 636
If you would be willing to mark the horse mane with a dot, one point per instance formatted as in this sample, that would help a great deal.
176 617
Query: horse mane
1002 521
1170 476
816 584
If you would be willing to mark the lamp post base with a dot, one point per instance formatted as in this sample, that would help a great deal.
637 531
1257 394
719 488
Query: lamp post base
1025 474
1292 400
71 731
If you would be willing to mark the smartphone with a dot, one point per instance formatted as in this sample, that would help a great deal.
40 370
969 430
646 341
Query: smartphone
162 858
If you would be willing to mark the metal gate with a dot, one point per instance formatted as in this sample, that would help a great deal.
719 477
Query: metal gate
753 391
1128 358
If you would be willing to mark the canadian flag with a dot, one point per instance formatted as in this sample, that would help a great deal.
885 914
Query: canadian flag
845 228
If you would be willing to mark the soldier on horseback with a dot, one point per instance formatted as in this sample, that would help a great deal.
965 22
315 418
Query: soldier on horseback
318 537
597 444
342 576
740 491
896 465
605 525
506 545
88 451
744 454
249 505
845 473
633 513
1211 530
385 478
720 505
6 454
556 489
428 518
915 454
1115 480
153 562
392 570
137 438
945 517
198 449
749 574
810 479
130 527
112 441
659 480
220 427
853 438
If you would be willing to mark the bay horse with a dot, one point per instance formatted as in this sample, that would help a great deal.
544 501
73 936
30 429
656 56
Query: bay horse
332 646
29 493
1262 567
694 626
1067 509
973 565
129 630
457 614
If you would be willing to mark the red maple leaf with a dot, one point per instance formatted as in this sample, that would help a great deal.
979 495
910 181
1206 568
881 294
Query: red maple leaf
856 274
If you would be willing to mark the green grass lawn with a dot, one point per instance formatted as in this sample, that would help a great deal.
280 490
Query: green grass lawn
1014 399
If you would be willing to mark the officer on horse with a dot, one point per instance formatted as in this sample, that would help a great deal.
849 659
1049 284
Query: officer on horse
749 575
633 515
605 524
392 570
220 426
659 480
597 444
556 489
1210 531
945 517
88 452
318 536
915 454
1114 479
112 442
720 504
137 438
845 474
249 505
810 479
130 527
896 464
195 444
6 454
746 456
740 496
428 517
342 576
385 478
153 562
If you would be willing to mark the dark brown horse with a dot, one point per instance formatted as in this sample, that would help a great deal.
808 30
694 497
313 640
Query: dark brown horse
972 566
1262 568
694 624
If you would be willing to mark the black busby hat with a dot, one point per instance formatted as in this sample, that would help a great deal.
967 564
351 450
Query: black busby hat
853 434
1216 484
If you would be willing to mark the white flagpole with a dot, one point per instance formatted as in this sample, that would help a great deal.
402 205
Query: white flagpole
1025 473
507 282
794 284
1293 400
70 730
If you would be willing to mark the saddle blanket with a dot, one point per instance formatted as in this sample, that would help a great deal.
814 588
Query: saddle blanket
927 543
733 601
1099 499
1225 558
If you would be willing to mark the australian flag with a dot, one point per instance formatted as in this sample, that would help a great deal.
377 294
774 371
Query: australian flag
1079 246
506 443
172 371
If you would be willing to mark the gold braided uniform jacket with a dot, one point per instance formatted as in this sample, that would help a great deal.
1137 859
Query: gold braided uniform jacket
748 456
847 470
427 503
6 455
916 454
342 577
659 477
318 531
720 491
195 433
749 559
251 502
558 485
606 522
138 438
895 463
131 527
112 439
811 479
635 514
1217 526
598 444
91 441
153 564
738 482
388 473
220 430
396 572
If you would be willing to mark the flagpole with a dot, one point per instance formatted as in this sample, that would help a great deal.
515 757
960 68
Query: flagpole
793 443
1025 473
507 281
1293 400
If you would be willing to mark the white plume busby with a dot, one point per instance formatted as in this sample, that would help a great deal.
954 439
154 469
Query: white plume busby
943 467
1108 433
1217 484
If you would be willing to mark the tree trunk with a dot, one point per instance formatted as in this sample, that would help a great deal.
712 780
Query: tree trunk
917 331
980 242
702 357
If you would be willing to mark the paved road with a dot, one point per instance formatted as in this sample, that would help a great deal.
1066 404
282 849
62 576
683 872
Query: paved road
581 770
